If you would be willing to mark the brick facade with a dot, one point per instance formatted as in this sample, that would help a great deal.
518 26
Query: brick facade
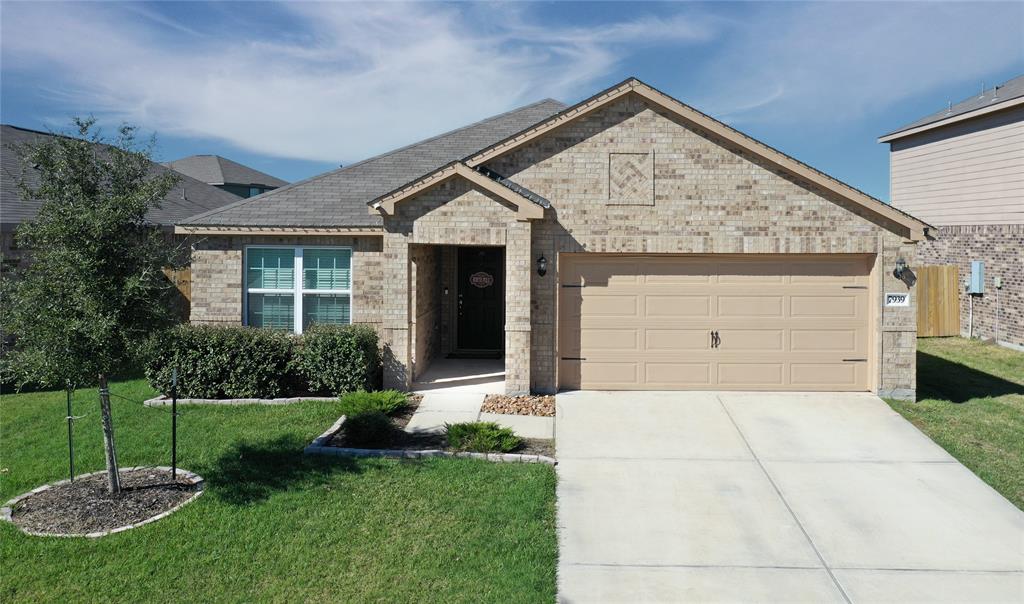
1001 248
217 275
705 198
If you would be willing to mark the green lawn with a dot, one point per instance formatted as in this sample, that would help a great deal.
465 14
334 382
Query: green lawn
971 402
274 525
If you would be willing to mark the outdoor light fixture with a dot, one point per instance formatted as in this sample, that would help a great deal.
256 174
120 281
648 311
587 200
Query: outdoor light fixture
901 266
542 265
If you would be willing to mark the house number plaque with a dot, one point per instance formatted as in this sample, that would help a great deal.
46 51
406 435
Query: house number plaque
897 299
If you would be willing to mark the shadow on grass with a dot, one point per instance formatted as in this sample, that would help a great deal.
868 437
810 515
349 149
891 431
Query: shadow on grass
250 472
942 379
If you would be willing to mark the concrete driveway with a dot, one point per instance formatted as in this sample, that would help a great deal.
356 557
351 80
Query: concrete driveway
809 497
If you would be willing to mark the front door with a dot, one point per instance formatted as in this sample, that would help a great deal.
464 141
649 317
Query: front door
481 301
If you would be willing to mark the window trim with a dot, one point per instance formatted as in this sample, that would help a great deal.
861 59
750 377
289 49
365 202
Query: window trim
298 288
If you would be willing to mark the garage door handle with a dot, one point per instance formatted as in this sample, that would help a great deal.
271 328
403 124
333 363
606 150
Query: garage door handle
715 339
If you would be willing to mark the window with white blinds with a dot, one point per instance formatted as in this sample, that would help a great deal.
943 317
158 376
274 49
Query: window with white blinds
291 288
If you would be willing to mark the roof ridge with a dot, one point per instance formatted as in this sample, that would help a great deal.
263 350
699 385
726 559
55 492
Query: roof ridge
337 170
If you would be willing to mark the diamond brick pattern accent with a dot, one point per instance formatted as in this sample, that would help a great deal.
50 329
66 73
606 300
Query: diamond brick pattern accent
631 178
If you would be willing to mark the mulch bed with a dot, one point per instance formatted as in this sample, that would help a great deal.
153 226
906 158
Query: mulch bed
543 406
405 440
84 506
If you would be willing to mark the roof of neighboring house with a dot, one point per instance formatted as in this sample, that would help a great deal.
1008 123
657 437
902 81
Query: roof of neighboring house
338 198
187 198
217 170
1005 95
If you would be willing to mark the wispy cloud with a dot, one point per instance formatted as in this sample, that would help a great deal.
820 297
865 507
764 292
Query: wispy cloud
842 61
338 82
350 80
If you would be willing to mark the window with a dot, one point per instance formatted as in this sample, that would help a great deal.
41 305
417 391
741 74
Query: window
254 191
291 288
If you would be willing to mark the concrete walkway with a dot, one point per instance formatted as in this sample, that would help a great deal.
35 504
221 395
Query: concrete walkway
453 391
744 497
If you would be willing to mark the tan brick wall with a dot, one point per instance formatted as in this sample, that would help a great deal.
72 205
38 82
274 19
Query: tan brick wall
426 319
707 199
217 276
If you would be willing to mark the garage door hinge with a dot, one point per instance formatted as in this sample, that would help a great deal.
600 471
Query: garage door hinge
572 285
855 360
855 287
574 358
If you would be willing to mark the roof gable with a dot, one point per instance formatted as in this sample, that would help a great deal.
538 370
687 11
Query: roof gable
911 227
217 170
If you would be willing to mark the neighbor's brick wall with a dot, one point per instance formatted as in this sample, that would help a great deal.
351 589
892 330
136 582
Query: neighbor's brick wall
707 199
1001 248
217 275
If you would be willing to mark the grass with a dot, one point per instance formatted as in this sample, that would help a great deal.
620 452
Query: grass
971 402
275 525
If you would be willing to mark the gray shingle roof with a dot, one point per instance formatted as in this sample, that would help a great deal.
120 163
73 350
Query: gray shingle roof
338 198
1006 91
187 198
217 170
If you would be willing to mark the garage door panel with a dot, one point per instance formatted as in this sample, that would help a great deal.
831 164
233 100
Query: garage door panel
827 375
677 306
676 339
751 374
750 306
592 339
784 323
847 306
751 340
677 374
610 373
609 306
828 340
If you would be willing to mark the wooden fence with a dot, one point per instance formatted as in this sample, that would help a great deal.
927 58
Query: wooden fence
938 301
182 280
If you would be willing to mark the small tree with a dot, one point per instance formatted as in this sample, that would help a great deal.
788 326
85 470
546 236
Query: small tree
94 287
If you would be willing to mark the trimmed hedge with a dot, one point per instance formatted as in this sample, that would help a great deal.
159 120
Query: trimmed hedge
244 362
333 359
385 401
482 437
370 429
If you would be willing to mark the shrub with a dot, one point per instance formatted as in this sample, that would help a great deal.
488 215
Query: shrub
333 359
369 429
360 401
483 437
219 362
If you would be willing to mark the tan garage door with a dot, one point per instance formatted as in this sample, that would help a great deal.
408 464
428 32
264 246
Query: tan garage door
726 322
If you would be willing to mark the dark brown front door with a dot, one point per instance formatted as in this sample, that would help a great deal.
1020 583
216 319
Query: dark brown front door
481 300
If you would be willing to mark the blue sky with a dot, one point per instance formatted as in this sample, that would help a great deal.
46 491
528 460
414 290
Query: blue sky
295 89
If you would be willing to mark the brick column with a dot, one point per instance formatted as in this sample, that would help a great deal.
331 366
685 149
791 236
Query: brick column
518 267
898 375
395 319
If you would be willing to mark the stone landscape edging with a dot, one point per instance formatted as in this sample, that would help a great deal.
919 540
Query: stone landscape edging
7 511
318 447
165 401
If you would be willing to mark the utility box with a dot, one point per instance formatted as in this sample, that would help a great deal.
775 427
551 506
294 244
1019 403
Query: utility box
977 285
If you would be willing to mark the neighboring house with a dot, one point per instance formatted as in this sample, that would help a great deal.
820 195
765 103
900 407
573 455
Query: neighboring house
187 198
225 174
626 242
962 170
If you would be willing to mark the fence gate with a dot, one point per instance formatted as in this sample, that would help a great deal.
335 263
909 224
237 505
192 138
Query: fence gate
938 300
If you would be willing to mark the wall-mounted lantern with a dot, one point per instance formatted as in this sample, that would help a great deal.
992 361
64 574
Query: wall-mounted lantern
901 266
542 265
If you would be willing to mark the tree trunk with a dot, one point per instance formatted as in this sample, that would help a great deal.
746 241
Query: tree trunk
113 478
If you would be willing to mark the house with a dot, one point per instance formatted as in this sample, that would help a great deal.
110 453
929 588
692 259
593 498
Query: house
962 169
225 174
626 242
187 198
